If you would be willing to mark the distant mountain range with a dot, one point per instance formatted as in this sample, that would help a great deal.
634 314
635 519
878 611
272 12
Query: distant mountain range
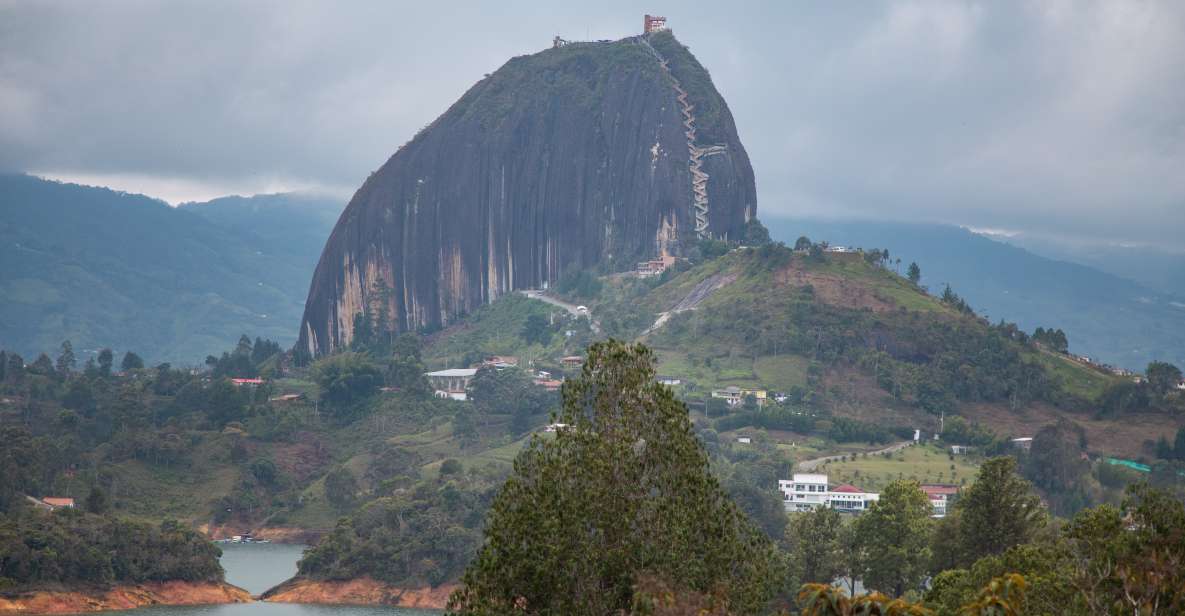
1108 317
107 268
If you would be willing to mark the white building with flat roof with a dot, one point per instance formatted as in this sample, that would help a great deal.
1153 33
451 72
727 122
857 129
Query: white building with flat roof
806 492
452 383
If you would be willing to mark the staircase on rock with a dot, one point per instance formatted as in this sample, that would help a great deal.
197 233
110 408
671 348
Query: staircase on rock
696 153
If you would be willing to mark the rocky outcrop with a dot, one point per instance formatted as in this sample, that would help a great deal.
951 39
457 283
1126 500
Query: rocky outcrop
364 591
123 597
572 157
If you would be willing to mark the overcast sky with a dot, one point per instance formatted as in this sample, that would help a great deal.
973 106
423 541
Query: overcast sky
1051 117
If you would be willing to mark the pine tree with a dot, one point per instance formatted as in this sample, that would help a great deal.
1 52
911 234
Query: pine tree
66 361
914 273
624 492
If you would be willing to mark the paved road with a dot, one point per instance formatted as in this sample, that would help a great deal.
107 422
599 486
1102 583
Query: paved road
571 308
807 466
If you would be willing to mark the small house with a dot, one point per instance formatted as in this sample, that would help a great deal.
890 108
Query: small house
572 360
959 450
669 380
1024 443
247 382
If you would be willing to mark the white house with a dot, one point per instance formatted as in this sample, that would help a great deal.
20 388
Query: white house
806 492
452 383
1024 442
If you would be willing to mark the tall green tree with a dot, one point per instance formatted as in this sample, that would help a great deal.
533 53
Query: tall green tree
1163 376
624 492
813 545
131 361
106 359
66 361
997 512
894 535
536 330
346 378
914 272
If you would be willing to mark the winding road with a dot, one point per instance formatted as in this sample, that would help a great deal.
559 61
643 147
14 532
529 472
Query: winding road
807 466
571 308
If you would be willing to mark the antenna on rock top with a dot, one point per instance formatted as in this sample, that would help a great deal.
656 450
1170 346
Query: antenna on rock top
653 23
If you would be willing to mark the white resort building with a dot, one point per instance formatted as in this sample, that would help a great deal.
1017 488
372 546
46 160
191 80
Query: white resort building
452 383
806 492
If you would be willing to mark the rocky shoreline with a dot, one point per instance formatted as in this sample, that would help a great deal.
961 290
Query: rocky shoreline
122 597
363 591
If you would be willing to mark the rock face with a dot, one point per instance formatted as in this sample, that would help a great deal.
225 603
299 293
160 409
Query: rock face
576 156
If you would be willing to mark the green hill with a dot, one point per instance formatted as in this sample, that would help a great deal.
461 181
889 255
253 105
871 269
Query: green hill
110 269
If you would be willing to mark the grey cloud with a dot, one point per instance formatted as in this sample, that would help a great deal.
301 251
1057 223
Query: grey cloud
1063 117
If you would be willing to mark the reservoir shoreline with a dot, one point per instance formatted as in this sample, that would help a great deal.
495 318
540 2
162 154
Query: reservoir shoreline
122 597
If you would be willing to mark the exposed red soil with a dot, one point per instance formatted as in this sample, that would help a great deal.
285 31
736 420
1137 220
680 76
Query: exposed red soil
362 591
123 598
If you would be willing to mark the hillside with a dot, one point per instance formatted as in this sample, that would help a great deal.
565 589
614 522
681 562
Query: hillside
838 335
863 357
1105 316
109 269
596 154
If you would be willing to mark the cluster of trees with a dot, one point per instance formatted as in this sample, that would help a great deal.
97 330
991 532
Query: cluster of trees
245 361
73 547
1106 560
1052 339
1158 391
424 534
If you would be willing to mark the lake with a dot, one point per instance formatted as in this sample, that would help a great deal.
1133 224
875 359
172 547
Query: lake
256 567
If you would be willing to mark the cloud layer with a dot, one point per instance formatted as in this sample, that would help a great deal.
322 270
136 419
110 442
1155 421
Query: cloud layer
1054 117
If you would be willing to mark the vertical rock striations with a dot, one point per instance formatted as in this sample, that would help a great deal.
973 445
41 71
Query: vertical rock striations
571 157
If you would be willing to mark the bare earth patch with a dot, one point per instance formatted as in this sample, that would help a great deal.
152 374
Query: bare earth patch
834 290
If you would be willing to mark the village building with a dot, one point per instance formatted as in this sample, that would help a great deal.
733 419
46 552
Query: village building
572 360
452 383
655 267
500 362
549 384
51 503
247 382
1024 443
807 492
287 398
669 380
734 395
959 450
941 497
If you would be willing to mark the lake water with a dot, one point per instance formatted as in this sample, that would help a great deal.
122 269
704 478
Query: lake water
256 568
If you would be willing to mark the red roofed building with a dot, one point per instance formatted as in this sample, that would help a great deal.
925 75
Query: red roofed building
549 384
941 496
